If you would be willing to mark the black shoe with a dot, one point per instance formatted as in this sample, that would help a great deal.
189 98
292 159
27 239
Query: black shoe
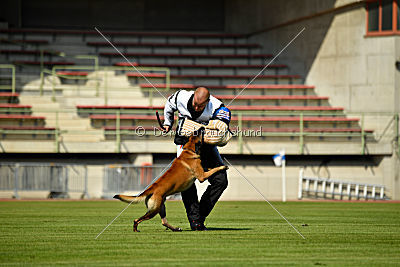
198 226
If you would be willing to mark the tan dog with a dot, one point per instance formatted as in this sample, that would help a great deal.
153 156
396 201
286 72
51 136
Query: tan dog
179 177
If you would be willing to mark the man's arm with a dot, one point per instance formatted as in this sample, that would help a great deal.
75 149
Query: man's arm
169 110
223 114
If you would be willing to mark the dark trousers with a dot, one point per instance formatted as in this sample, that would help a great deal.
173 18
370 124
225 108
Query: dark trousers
198 211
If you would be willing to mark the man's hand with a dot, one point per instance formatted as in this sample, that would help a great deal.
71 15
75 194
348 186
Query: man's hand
166 128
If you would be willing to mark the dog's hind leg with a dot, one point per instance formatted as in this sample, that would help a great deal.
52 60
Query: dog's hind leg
153 207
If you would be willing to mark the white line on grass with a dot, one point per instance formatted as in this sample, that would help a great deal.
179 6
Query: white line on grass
264 198
266 66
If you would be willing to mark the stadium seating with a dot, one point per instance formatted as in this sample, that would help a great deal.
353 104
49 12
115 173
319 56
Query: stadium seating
17 123
194 58
24 55
217 79
73 77
214 69
15 109
253 90
278 100
180 48
21 120
6 97
45 63
17 41
232 108
86 34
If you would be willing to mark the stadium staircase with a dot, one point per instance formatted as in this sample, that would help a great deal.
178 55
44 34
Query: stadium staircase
96 102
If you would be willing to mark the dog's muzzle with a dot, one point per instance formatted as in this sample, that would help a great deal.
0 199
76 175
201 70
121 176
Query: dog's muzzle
199 144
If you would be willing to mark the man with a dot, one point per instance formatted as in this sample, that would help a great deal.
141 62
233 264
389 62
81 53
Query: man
201 107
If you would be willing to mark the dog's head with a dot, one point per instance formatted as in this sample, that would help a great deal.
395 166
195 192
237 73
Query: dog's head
195 141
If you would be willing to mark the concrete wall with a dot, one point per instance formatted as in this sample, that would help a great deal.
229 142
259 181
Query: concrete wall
262 174
355 71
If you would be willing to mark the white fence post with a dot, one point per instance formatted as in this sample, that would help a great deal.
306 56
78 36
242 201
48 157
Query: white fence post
365 192
332 189
357 191
300 194
341 190
16 182
349 191
373 192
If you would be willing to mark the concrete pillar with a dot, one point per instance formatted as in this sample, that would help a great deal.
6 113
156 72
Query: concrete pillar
95 180
396 176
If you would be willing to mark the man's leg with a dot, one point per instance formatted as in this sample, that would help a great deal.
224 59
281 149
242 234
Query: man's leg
218 182
192 205
191 202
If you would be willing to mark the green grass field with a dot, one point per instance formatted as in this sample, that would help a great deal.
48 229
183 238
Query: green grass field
241 233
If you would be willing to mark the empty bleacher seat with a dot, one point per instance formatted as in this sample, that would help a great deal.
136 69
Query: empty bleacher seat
6 97
180 48
45 63
10 132
15 109
73 77
21 120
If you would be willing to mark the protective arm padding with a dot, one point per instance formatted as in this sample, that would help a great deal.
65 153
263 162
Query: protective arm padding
216 132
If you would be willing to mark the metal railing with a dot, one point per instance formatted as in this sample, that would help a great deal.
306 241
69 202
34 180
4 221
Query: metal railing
57 179
363 135
53 134
335 189
12 85
101 75
301 134
389 128
128 178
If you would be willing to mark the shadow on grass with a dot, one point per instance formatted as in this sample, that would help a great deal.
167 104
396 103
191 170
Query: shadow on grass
227 229
221 229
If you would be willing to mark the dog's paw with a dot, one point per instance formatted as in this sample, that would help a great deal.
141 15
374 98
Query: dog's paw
172 228
175 229
225 167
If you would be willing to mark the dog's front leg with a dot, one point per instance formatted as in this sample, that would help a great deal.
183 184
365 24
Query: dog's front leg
202 176
172 228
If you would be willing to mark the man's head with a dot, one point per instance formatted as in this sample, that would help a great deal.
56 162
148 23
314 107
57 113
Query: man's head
200 98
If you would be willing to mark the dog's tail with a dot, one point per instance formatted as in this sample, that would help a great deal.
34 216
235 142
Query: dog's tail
129 199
